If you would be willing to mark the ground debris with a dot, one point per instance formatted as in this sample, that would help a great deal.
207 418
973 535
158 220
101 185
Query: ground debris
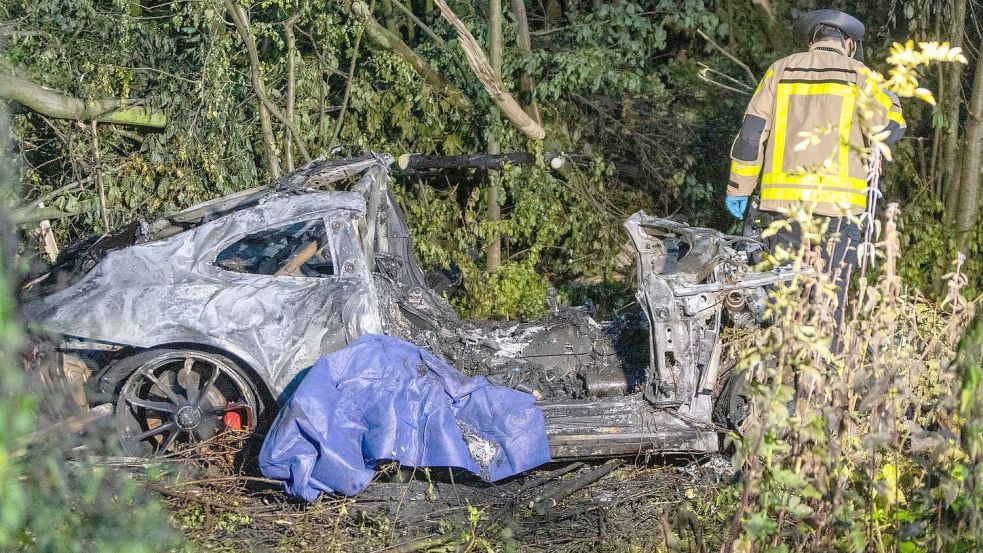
216 502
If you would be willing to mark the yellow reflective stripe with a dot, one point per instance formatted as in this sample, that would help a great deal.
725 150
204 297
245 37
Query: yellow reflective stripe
761 83
896 117
807 89
846 119
744 170
816 181
882 98
781 127
812 195
785 90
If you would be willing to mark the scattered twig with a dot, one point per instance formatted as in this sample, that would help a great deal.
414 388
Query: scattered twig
421 544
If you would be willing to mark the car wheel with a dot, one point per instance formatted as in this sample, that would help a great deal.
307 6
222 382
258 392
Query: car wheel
176 398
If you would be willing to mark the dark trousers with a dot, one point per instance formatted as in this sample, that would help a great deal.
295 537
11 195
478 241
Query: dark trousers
839 251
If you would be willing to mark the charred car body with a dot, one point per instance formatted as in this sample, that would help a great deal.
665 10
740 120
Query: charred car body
204 318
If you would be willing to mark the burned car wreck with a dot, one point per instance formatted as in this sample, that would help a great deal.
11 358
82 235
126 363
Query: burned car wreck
206 318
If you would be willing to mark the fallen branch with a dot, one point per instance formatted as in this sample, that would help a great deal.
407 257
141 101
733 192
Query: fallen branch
421 162
386 39
482 69
33 214
552 497
60 106
539 481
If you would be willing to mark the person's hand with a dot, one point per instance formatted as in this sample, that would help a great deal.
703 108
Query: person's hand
736 205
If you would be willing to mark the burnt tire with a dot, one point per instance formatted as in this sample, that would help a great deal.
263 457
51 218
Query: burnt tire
175 398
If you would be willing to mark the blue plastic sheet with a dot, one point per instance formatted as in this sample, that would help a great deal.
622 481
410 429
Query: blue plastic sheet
382 398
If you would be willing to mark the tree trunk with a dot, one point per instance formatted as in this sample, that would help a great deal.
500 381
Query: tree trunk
288 32
483 70
494 258
55 104
972 157
385 39
241 20
953 98
525 46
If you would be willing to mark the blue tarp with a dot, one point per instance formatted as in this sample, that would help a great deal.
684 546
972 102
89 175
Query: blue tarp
382 398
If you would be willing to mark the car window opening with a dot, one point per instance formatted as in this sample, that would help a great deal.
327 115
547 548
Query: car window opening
299 249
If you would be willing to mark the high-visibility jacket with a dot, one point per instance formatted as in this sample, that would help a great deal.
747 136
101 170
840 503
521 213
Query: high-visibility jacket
815 94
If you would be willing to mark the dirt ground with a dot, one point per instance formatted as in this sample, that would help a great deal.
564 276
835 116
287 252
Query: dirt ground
644 504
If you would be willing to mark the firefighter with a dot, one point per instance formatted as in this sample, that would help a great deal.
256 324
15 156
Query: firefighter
814 93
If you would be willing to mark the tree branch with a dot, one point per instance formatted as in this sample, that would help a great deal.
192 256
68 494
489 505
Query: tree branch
385 39
483 70
59 106
349 82
241 20
288 32
732 57
426 28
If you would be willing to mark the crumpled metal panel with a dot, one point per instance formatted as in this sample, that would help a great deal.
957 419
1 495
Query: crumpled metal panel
686 276
170 291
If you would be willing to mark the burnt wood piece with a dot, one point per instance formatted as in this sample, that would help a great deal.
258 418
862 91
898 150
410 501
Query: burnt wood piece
421 162
551 497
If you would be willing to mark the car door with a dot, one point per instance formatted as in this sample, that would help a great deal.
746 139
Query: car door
291 292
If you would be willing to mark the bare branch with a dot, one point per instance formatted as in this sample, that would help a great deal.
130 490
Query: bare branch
705 69
426 28
732 57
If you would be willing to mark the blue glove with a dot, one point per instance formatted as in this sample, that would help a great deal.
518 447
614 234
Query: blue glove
736 205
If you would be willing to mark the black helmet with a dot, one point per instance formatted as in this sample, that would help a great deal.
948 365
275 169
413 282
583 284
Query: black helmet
805 25
804 28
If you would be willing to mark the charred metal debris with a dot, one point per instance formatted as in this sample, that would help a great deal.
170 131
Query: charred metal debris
200 320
